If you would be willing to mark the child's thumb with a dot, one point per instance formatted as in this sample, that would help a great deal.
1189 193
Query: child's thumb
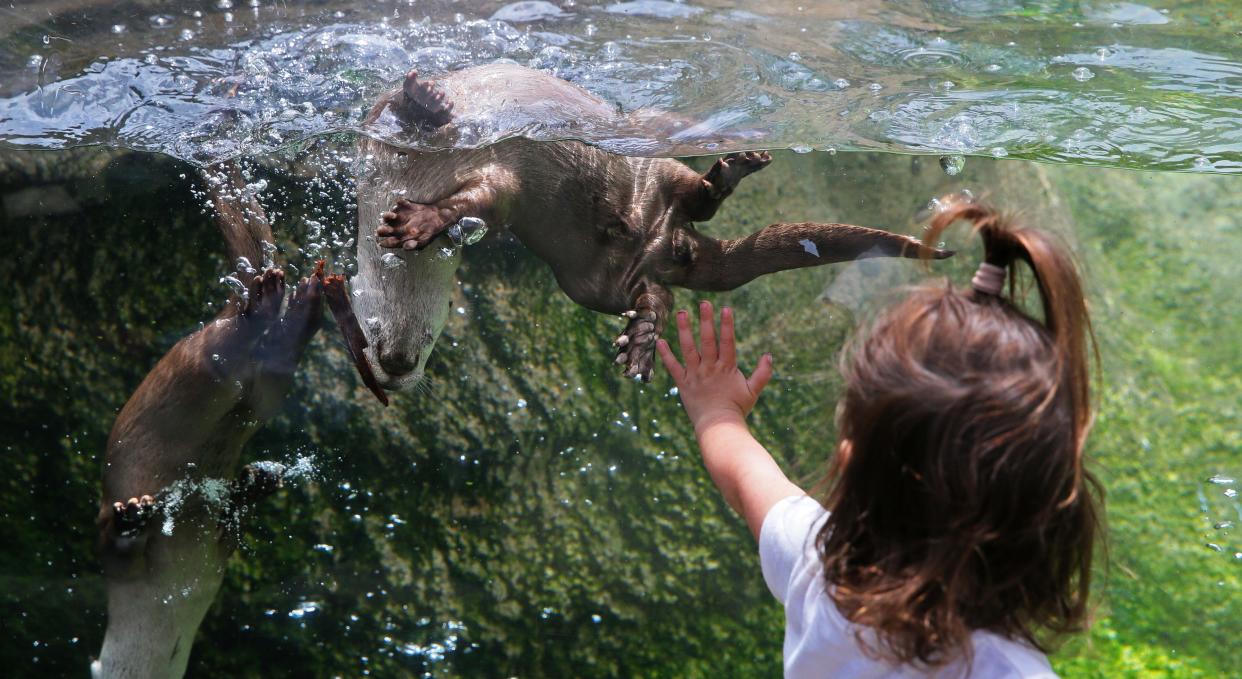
759 378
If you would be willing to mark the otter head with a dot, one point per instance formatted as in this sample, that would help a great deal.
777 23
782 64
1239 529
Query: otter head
401 297
402 300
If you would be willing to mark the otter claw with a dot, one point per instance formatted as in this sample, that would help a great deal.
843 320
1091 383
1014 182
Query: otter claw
131 517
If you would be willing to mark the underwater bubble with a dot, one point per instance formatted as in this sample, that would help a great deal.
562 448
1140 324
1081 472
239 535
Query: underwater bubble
1104 53
952 164
801 148
119 28
1202 163
304 609
391 260
1231 493
875 87
446 253
992 68
1082 74
1223 525
215 357
674 391
998 152
841 83
186 34
467 231
1214 547
595 618
161 20
1220 480
521 403
224 4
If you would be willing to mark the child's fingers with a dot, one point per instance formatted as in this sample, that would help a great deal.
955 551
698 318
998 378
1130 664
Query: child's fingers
728 352
670 361
763 372
689 353
707 332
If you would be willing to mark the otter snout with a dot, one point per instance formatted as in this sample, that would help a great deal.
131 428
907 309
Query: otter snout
394 362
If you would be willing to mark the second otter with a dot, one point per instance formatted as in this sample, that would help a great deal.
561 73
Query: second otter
617 231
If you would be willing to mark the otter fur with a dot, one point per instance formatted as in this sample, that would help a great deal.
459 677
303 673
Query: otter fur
171 487
618 232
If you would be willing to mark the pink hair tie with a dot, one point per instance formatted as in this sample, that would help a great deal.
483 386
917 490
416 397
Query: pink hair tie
989 279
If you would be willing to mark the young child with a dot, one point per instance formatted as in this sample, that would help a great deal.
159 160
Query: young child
957 530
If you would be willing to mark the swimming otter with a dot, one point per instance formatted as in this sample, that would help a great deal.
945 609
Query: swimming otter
617 231
170 482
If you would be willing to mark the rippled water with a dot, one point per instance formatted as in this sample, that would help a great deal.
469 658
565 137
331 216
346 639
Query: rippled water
1152 85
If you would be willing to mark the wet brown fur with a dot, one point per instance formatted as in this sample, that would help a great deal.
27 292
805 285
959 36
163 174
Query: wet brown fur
186 424
617 231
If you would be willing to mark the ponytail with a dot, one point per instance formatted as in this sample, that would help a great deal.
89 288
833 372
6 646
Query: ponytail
1056 278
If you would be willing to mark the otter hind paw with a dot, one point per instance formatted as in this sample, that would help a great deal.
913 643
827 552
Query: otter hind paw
636 345
130 518
410 226
424 102
730 170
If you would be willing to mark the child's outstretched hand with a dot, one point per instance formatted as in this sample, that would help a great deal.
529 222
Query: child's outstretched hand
712 388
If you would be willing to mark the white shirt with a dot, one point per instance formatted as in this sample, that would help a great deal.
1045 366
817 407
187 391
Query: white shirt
820 642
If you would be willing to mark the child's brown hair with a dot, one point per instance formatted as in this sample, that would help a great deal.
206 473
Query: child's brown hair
958 499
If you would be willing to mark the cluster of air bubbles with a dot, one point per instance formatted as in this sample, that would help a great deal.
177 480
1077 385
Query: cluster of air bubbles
1222 512
1082 74
391 260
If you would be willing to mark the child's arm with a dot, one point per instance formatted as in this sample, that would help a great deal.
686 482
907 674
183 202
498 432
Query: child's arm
717 397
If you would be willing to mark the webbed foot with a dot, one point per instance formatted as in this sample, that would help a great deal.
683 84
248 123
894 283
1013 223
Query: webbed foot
302 318
266 292
730 170
411 226
636 345
424 102
130 518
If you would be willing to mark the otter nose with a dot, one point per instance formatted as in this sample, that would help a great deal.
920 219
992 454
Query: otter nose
394 363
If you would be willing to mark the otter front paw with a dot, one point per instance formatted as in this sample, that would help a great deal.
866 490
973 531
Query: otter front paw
257 481
411 225
424 102
130 518
636 345
731 169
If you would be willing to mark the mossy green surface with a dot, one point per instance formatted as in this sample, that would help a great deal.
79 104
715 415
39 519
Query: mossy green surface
533 514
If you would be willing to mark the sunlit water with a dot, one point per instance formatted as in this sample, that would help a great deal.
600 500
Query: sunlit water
1153 85
530 513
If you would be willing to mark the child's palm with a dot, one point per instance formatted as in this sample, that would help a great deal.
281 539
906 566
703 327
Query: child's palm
710 383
